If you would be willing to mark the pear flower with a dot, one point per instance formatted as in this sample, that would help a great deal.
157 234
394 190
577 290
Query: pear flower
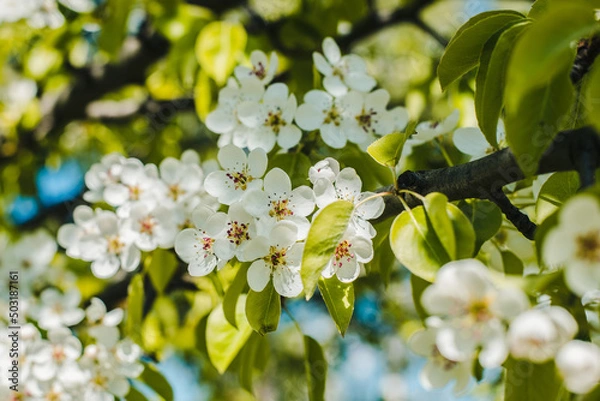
579 364
278 256
151 227
575 244
103 174
537 334
350 254
103 324
428 130
368 116
182 179
347 186
241 173
84 224
279 202
59 310
473 310
342 72
327 168
471 141
439 370
263 68
61 348
206 246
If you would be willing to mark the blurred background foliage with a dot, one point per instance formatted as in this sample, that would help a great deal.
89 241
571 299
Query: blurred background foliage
138 77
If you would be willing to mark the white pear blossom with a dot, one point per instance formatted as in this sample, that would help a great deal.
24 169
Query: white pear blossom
31 265
575 244
537 334
327 168
367 116
206 246
103 325
579 364
278 257
439 370
351 252
84 224
241 173
471 141
57 309
322 111
263 68
111 247
103 379
242 228
103 174
150 227
342 72
182 180
225 119
61 348
347 186
428 130
474 312
279 202
15 10
273 120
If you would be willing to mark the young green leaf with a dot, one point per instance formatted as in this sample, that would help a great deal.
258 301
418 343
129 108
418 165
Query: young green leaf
545 50
435 206
263 309
232 294
325 233
556 190
160 266
462 53
223 341
135 305
491 78
388 149
135 395
316 369
485 217
512 264
591 98
156 381
248 360
339 299
530 381
418 286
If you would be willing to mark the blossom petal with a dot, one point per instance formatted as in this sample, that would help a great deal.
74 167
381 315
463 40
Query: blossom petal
258 275
471 141
287 282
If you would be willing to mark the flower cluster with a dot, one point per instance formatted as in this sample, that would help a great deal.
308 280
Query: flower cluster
58 366
267 221
152 204
41 13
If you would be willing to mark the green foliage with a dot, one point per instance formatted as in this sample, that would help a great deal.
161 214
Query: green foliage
339 299
263 309
160 266
325 234
296 165
233 293
114 28
591 97
485 217
512 264
219 48
157 382
462 53
388 149
418 285
531 382
135 395
224 341
249 359
316 369
135 305
425 238
556 190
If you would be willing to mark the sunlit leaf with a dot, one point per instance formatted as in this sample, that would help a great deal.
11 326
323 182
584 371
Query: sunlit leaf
160 266
263 309
156 381
135 305
339 299
233 293
219 48
388 149
316 369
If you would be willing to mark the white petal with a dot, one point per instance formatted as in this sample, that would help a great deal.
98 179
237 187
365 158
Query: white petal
277 183
308 117
257 163
289 136
322 64
232 158
360 81
331 50
283 234
333 136
262 139
116 194
202 266
287 282
334 85
470 141
258 275
220 121
348 271
105 267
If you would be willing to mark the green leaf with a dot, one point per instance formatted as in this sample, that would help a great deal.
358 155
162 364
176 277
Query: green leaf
156 381
202 95
316 369
418 286
388 149
545 50
591 99
135 395
462 53
232 294
416 243
296 165
325 234
512 264
435 206
491 76
263 309
532 126
556 190
248 360
219 46
530 381
114 27
135 306
160 266
383 260
339 299
540 234
485 217
223 341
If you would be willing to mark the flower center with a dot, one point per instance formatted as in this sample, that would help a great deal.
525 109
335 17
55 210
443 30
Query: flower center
366 120
100 380
588 247
276 257
441 360
275 121
280 210
259 70
237 232
479 310
333 116
240 179
115 245
207 244
134 192
147 225
58 354
343 252
175 191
